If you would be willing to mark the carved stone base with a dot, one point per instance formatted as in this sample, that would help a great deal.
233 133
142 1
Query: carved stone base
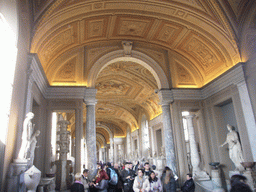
231 173
201 175
216 177
15 178
248 175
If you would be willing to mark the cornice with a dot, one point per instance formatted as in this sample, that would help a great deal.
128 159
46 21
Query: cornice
233 76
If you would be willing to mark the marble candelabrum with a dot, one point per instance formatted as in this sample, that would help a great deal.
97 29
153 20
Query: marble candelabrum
216 177
63 169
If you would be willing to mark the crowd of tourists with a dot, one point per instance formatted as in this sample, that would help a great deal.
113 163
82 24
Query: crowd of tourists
129 178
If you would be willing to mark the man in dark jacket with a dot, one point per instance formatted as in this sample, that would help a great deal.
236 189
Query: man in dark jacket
189 185
127 176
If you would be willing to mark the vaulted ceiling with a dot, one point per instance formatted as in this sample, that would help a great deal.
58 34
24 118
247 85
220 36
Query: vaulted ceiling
193 42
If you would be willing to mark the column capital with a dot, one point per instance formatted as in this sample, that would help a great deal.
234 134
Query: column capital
90 96
165 96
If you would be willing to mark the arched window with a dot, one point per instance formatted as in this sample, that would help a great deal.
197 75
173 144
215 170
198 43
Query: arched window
8 55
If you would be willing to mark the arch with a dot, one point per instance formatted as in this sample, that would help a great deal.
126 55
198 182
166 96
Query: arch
102 138
136 57
107 129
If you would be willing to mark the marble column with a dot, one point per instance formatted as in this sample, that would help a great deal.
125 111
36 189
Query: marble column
48 144
100 155
153 150
194 154
115 152
79 137
166 98
128 143
111 151
29 100
248 115
90 101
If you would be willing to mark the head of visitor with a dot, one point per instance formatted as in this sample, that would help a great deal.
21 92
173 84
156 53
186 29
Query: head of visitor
108 164
130 165
127 165
140 172
85 172
189 176
146 166
153 167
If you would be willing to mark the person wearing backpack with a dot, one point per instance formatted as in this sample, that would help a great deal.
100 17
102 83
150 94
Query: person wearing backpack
113 178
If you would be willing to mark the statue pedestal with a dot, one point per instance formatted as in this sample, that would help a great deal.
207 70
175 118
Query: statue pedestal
15 178
231 173
47 184
248 175
216 177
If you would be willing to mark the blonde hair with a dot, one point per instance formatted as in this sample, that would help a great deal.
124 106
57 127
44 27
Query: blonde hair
78 176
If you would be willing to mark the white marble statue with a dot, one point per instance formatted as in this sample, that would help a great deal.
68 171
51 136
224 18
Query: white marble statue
26 135
235 150
31 150
149 153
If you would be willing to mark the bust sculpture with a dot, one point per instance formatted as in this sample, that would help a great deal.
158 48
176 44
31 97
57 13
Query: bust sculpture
234 146
26 135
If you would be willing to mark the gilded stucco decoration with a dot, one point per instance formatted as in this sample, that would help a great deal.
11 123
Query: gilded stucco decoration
192 41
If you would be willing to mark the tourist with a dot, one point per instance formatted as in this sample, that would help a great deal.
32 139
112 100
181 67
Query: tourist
163 174
77 186
119 186
158 174
111 186
169 183
238 183
100 174
127 177
141 183
189 185
85 180
154 183
102 185
147 170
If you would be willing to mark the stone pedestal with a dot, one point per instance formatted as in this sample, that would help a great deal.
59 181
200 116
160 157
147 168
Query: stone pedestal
216 177
15 178
47 184
231 173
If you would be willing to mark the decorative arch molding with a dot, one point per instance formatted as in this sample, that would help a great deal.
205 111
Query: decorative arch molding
137 57
102 138
107 129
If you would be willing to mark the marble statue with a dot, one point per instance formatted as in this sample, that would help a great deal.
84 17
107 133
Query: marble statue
26 135
163 151
235 150
149 153
31 150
